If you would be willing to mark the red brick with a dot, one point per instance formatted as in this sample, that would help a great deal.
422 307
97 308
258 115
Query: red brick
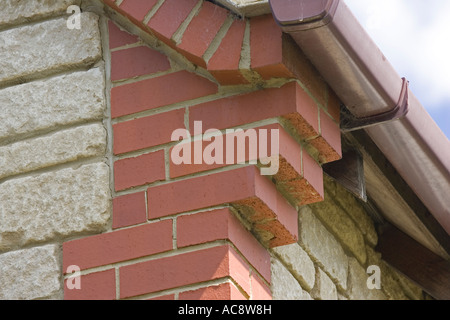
146 132
228 54
133 172
183 269
202 192
157 92
129 210
266 48
224 64
201 32
300 177
170 16
290 157
119 38
334 106
329 143
223 291
229 77
306 118
121 245
265 41
137 9
313 174
244 188
137 61
94 286
260 291
223 225
312 171
331 132
289 101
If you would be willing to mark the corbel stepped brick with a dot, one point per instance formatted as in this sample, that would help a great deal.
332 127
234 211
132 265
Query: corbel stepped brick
298 176
201 32
241 51
173 267
224 63
203 231
272 218
290 102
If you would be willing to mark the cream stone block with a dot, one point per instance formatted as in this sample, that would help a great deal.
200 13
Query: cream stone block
357 284
284 285
324 288
299 263
47 104
57 148
54 205
322 247
41 49
14 12
30 274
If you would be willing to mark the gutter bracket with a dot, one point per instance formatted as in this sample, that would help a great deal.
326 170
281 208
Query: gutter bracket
350 123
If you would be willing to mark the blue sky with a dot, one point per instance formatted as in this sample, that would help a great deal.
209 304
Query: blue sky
415 37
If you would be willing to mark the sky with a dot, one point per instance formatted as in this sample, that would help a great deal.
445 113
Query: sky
414 35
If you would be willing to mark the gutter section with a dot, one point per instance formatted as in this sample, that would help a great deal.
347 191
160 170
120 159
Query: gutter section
342 51
374 95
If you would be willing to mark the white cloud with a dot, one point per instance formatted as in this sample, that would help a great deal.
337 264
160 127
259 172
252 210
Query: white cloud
415 37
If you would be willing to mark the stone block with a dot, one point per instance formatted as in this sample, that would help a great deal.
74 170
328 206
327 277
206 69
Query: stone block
342 227
46 104
57 148
322 247
284 285
324 288
49 47
30 274
54 204
13 12
299 263
357 283
353 208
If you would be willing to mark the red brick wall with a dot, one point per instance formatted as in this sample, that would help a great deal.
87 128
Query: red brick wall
202 231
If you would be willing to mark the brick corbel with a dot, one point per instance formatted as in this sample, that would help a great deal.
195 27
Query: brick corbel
177 240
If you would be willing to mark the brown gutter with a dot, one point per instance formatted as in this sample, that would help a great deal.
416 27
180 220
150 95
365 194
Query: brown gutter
374 94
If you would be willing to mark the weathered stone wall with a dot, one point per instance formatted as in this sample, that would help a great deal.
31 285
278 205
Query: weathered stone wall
337 240
54 173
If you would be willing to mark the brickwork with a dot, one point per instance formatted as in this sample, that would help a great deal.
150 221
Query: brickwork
96 164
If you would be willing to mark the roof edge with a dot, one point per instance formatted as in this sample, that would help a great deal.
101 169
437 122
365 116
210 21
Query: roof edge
245 8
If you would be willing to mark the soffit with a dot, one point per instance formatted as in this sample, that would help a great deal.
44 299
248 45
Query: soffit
246 8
